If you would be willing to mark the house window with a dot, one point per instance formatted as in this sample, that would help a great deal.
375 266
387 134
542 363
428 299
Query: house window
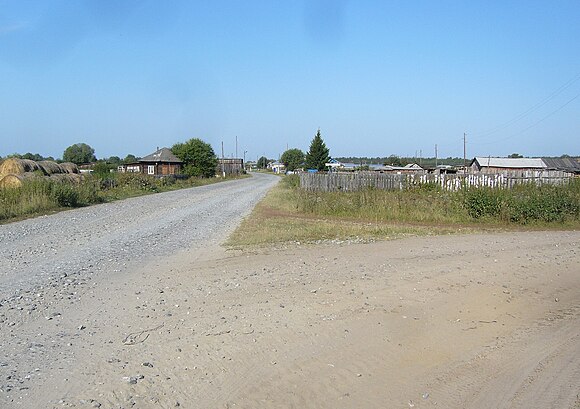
151 169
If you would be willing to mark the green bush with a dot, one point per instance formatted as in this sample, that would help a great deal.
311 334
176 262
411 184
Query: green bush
482 202
526 203
64 194
291 181
137 181
546 203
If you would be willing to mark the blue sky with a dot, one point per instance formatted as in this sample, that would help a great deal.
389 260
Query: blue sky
377 77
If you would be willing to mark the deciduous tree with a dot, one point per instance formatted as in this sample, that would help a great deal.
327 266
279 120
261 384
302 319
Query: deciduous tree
293 159
262 162
130 158
79 153
198 157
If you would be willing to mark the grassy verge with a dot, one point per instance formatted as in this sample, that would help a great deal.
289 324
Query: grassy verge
289 214
41 196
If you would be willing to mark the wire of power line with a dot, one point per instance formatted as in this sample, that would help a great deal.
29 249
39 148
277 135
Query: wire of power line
533 108
531 126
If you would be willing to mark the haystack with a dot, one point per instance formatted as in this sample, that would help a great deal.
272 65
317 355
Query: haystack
15 166
49 167
69 167
66 177
10 182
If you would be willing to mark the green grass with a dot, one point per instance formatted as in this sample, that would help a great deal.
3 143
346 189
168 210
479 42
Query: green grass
525 204
44 195
290 214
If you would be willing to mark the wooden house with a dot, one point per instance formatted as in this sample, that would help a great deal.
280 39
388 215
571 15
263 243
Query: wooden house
162 162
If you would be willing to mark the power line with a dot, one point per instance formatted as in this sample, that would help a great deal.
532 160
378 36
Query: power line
532 125
538 105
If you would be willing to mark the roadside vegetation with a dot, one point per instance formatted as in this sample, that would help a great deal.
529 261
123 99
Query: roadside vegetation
291 214
29 193
41 196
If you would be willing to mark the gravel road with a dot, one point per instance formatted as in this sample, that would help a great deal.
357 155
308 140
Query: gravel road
134 305
70 248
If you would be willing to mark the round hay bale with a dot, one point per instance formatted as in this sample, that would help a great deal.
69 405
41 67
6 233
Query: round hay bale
11 182
66 177
69 167
17 166
49 167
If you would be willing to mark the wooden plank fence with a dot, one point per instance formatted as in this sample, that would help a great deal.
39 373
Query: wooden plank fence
337 181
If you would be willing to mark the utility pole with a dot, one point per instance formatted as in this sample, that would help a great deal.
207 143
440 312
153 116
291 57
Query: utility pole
223 170
420 157
464 153
236 146
435 155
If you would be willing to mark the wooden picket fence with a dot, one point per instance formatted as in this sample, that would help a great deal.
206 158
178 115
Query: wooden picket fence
337 181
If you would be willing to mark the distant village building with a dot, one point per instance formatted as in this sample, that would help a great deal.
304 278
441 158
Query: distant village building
568 165
230 166
410 168
250 166
498 165
162 162
336 166
444 169
277 167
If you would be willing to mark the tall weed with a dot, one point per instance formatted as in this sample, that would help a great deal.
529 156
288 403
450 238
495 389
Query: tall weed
524 204
42 195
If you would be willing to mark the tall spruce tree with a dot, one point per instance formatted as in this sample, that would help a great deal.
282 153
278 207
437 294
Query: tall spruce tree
318 155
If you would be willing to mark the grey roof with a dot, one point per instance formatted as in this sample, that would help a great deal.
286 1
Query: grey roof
510 163
410 166
161 155
566 164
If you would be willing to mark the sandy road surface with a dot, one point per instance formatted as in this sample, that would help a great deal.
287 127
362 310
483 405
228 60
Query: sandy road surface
111 236
479 321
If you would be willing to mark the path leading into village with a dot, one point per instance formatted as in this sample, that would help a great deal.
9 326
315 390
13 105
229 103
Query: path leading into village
159 316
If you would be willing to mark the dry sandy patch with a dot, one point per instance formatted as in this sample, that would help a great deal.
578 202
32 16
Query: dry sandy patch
477 321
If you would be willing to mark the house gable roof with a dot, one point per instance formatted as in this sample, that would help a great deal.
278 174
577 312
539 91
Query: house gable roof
161 155
510 163
566 164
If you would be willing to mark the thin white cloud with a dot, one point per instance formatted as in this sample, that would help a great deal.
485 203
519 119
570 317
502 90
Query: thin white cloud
10 28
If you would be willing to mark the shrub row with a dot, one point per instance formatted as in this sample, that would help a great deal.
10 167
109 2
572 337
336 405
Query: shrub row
524 204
